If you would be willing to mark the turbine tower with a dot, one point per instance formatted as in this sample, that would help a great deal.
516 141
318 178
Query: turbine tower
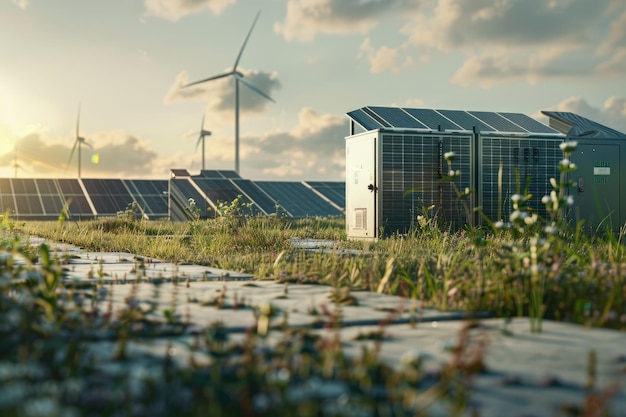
238 78
203 134
78 142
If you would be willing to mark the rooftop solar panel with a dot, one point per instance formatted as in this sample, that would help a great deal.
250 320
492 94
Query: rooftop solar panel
432 119
376 117
156 206
364 120
497 122
465 120
528 123
7 204
397 117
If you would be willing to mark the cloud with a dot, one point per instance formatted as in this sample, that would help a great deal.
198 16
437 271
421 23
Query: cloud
220 93
307 18
313 148
611 114
616 38
383 59
120 153
175 9
509 40
22 4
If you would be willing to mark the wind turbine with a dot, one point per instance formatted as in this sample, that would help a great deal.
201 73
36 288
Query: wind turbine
203 134
78 142
238 78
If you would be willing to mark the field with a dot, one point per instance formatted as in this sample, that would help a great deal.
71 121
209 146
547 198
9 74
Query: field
90 347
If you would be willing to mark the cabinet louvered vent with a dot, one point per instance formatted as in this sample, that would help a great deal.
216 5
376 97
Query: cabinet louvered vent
360 218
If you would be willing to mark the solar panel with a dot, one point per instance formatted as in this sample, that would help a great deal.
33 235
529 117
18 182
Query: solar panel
6 203
497 122
397 117
46 186
465 120
52 204
95 186
257 195
335 191
24 186
432 119
528 123
70 186
229 174
364 120
297 199
376 117
186 190
156 205
5 186
223 190
211 174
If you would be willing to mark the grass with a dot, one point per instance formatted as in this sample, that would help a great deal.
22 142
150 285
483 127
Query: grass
65 351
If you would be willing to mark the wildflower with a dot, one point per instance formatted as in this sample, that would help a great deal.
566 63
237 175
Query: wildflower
530 220
569 200
569 146
499 224
449 156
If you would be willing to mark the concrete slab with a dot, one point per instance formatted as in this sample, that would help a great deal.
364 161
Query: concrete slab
525 374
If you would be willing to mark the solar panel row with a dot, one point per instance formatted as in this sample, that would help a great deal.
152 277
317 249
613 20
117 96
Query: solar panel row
376 117
44 199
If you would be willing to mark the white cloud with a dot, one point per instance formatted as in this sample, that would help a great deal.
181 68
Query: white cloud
22 4
175 9
220 93
314 148
508 40
307 18
121 155
384 58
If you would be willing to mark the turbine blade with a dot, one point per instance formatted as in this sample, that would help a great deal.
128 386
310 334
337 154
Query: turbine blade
246 41
86 143
202 125
253 88
199 139
215 77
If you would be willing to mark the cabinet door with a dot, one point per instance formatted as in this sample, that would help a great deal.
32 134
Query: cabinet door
597 191
361 187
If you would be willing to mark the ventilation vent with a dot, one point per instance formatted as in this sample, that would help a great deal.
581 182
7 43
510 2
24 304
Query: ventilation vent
360 218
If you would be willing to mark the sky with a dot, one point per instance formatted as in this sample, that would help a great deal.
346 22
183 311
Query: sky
125 62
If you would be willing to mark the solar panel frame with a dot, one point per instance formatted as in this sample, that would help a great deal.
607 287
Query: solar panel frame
46 186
